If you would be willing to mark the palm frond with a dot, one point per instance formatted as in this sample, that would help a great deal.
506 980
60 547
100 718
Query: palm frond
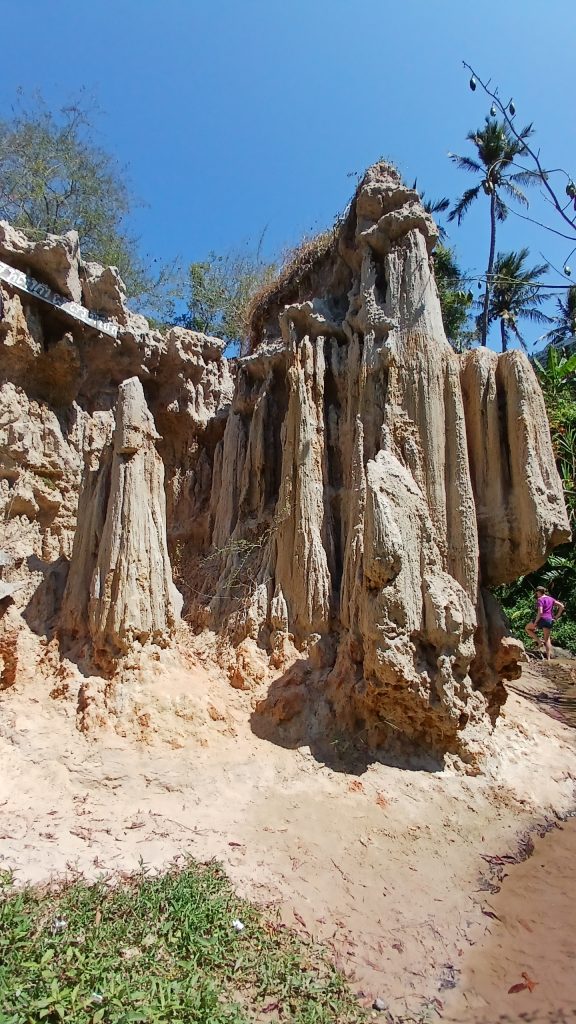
460 209
508 186
466 163
560 576
435 205
525 177
527 131
537 272
556 337
565 318
536 316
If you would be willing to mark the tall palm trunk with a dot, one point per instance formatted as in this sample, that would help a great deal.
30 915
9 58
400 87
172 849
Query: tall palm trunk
503 335
490 266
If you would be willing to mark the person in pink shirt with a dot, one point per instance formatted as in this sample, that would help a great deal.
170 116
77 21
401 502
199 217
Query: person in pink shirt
546 616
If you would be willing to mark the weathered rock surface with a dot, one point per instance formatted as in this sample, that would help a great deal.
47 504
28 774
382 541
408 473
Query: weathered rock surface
410 480
56 258
120 581
346 494
519 508
60 389
104 291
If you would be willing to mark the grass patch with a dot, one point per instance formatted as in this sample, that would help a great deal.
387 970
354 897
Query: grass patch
155 949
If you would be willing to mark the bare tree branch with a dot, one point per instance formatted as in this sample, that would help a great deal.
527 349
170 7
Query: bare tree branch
535 155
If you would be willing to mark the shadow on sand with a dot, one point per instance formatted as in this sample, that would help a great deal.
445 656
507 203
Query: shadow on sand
42 612
300 710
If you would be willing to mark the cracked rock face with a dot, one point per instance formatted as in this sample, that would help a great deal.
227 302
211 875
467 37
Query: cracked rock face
56 257
59 397
349 490
402 481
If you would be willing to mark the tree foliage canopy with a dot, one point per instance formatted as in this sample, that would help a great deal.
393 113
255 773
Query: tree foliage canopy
564 329
455 297
220 290
515 294
497 149
55 178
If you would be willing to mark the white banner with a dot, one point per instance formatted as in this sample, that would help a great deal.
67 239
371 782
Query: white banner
41 291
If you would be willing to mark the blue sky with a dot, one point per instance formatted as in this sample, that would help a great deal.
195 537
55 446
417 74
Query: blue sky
237 117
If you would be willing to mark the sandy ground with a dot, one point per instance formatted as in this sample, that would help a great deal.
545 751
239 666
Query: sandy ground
525 963
385 864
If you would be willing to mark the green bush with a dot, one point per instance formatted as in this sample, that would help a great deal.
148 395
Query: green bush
519 606
519 614
564 634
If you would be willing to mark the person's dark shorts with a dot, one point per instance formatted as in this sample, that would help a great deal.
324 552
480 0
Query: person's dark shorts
546 623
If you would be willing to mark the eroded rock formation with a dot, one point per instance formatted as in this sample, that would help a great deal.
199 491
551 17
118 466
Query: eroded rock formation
343 495
410 480
120 588
63 384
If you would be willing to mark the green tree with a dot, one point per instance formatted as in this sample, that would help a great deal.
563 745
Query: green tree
220 290
55 178
557 376
515 295
497 150
455 297
564 329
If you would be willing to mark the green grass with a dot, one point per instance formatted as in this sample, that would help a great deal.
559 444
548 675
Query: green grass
153 949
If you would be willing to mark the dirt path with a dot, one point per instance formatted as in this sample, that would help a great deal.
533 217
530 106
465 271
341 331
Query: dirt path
386 865
530 941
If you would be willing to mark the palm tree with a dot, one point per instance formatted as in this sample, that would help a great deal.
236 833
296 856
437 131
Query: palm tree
515 294
564 328
497 151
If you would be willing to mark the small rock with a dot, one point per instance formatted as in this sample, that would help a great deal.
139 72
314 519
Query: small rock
379 1004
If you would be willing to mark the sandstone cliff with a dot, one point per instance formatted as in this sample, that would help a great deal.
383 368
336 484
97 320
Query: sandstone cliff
402 481
342 496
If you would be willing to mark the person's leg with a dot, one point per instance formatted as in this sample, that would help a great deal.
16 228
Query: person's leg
530 629
547 643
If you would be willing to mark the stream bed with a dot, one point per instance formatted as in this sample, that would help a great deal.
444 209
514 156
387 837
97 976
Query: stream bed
525 968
